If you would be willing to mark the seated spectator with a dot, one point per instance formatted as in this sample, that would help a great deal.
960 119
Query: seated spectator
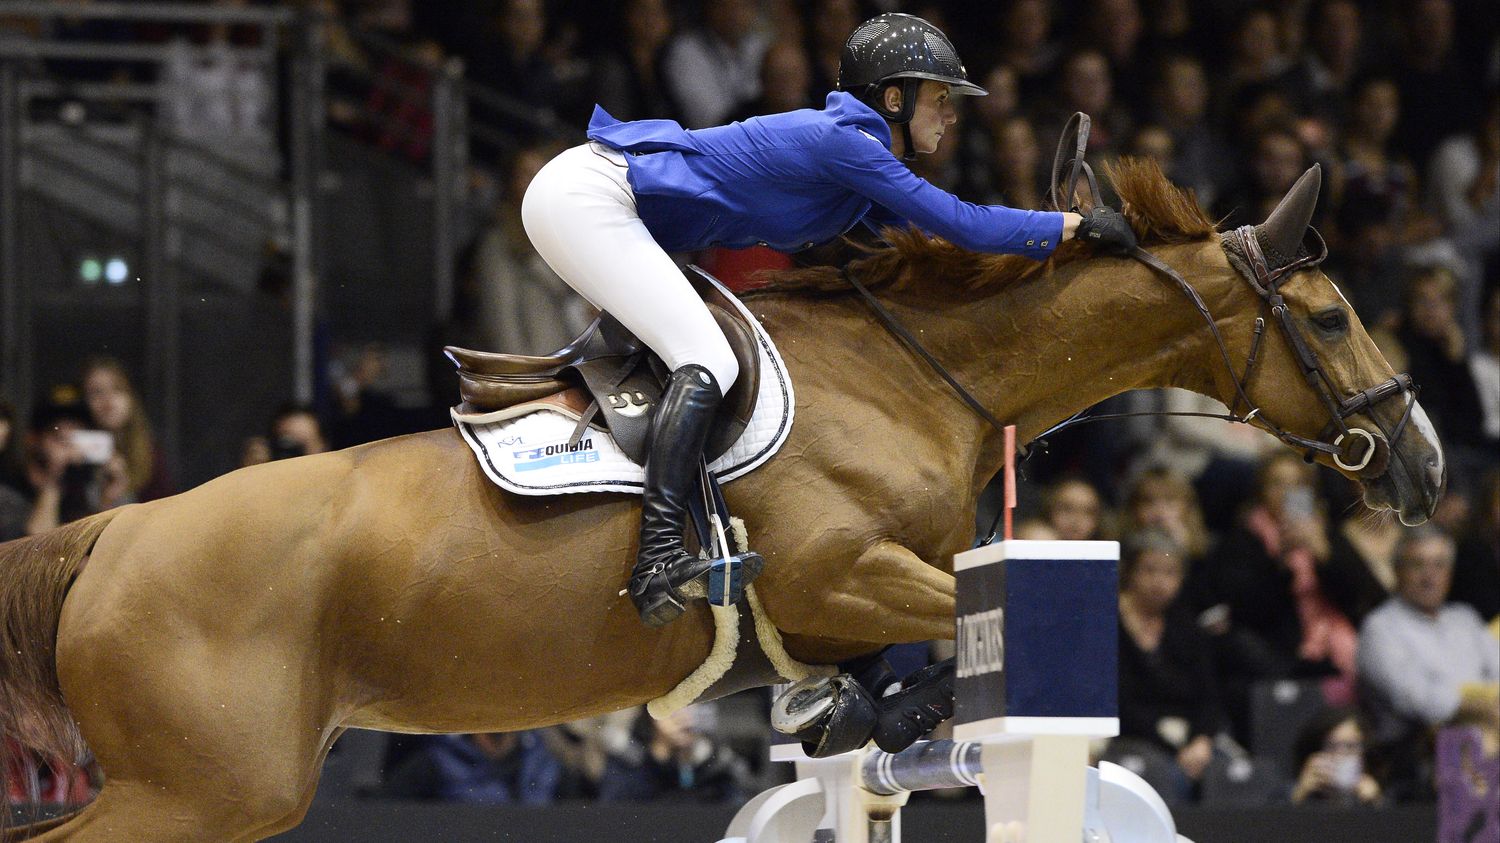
1437 358
1275 159
1435 79
1425 662
12 468
490 769
1015 166
513 57
785 83
1168 696
828 25
296 431
114 406
73 471
1330 756
1255 52
628 80
1219 457
1372 543
1161 499
979 132
514 302
714 70
1180 105
1027 45
1476 569
1114 28
1463 192
15 508
1321 81
1072 508
676 759
1281 598
1484 363
1086 83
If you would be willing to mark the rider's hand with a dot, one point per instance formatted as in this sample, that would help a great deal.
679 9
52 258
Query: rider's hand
1107 231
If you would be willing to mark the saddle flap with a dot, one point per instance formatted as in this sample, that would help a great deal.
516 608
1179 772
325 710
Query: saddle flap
626 389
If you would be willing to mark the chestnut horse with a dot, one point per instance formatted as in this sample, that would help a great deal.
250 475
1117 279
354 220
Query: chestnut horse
212 646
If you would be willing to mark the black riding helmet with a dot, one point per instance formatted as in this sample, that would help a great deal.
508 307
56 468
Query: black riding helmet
900 49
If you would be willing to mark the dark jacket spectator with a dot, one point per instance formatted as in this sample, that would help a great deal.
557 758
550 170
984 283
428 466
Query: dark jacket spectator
676 759
628 80
1330 760
494 769
1168 693
1476 569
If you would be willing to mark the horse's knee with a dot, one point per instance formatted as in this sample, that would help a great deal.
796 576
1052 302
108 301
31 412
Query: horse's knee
278 804
289 820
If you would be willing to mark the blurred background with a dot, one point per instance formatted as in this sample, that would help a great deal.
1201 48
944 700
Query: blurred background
236 231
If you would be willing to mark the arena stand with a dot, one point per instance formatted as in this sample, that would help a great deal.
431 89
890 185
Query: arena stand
250 204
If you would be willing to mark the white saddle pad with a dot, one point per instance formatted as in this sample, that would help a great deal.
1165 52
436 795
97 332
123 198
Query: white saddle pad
530 454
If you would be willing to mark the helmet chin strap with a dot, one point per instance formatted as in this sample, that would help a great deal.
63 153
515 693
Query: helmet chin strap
901 116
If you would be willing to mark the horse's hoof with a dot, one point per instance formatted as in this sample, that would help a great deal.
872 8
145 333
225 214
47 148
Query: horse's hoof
830 715
924 701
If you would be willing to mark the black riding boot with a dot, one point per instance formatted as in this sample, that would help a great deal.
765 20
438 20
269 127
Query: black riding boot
678 434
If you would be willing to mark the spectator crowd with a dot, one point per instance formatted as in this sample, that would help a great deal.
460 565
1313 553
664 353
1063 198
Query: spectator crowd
1249 578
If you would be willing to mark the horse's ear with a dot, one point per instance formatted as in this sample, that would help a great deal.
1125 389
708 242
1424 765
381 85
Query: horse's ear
1282 232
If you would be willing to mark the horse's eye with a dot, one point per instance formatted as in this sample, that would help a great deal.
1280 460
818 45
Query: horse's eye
1331 320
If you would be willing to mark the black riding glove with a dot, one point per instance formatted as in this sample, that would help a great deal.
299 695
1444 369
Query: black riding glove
1107 231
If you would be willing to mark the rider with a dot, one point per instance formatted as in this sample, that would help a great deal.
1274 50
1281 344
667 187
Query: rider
604 215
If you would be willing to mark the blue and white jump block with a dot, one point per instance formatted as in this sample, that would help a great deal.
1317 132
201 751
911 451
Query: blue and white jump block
1036 626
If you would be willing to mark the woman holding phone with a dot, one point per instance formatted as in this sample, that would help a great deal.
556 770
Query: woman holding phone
1282 591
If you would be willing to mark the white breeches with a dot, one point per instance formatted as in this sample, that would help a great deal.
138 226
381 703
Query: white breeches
581 216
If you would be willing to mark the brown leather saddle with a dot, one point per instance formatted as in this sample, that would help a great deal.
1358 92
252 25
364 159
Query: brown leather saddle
609 379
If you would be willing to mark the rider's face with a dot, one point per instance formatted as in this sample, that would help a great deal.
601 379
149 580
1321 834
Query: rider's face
934 114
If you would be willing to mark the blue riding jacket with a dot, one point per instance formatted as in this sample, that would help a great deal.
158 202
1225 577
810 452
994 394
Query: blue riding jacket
793 180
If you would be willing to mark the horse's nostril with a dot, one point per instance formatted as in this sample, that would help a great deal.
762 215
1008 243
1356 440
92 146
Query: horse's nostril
1435 474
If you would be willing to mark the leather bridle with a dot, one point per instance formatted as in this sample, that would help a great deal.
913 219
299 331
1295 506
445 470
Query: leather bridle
1353 449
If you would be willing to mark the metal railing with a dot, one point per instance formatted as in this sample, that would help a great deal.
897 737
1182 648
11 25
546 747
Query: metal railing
470 126
25 143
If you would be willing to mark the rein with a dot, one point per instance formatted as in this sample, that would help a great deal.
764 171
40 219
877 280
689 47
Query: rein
1373 459
1266 281
895 327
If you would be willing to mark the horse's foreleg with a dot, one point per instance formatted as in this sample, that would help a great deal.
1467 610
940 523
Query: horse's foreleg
889 594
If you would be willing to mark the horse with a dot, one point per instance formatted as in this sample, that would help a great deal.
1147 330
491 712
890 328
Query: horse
210 647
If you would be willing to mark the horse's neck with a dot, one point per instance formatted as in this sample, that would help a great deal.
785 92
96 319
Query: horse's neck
1039 351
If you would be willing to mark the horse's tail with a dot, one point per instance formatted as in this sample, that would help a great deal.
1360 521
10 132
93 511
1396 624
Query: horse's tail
35 574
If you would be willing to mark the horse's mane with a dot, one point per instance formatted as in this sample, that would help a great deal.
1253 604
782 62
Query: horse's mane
1158 211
